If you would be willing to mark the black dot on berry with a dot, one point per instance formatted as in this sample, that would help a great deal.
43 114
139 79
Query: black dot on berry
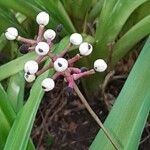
43 87
59 64
89 46
28 73
40 50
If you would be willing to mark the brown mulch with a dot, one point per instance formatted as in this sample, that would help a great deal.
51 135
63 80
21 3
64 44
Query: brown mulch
64 123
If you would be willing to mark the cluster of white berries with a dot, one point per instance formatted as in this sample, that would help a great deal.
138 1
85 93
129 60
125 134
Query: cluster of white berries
86 49
42 48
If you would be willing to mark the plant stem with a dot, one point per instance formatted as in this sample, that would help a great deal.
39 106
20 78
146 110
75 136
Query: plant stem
84 101
50 65
40 33
65 50
25 40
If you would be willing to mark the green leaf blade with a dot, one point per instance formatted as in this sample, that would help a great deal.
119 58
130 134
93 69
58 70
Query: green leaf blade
15 90
15 66
132 37
128 116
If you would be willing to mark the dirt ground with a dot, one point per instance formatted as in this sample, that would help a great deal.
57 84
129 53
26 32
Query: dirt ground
63 123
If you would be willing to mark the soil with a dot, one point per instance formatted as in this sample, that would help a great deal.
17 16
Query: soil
63 123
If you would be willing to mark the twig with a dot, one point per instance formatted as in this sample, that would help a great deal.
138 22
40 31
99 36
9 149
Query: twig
116 146
145 139
104 85
60 107
50 65
25 40
40 33
42 133
39 59
91 28
117 77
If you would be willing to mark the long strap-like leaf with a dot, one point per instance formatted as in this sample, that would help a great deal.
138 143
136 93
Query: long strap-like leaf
130 111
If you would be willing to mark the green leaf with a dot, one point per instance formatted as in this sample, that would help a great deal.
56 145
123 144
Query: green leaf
22 6
134 35
7 20
130 111
15 66
113 23
5 105
15 90
95 12
122 11
139 14
7 116
21 129
78 10
108 6
3 42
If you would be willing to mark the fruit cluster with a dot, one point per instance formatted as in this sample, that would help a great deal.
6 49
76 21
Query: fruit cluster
42 45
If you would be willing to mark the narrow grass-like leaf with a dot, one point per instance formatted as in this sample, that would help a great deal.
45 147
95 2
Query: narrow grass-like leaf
7 20
95 12
15 90
139 14
104 16
78 11
134 35
21 129
15 66
130 111
7 116
19 5
3 42
120 13
5 105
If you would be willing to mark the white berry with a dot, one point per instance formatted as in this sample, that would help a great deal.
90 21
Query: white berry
29 77
60 64
42 48
42 18
31 67
100 65
49 34
85 49
48 84
76 39
11 33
